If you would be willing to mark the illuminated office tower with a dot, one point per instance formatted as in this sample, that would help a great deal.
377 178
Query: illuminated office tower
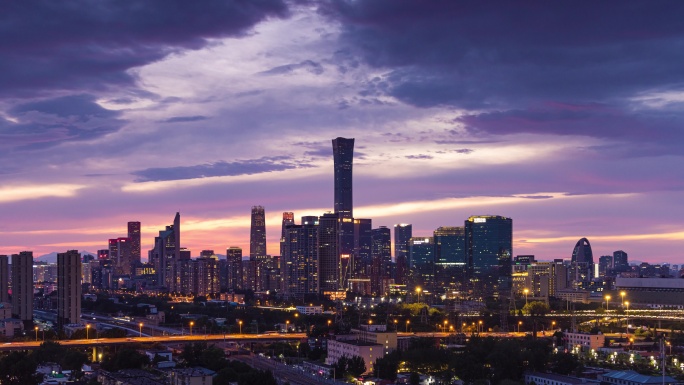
165 253
123 258
450 256
421 261
134 236
257 233
489 244
234 259
299 263
605 267
103 254
4 279
22 288
363 241
381 255
402 233
328 253
288 219
68 288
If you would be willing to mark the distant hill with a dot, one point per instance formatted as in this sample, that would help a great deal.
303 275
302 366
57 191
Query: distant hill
52 257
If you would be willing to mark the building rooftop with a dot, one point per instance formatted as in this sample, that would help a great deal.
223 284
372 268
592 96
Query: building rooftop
633 376
558 377
195 372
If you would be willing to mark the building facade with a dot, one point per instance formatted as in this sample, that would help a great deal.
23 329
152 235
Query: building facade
22 288
68 288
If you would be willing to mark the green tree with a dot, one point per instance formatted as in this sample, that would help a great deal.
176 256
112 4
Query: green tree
261 377
414 378
356 366
341 367
127 358
387 366
18 368
536 310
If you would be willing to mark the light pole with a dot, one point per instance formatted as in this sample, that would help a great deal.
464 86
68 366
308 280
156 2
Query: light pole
141 325
463 326
87 329
36 333
480 328
395 324
418 290
553 325
519 324
408 321
622 295
526 291
287 326
627 317
240 323
446 322
192 323
607 299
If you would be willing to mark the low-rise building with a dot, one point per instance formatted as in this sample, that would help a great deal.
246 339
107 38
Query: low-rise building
310 310
367 350
191 376
584 340
555 379
630 377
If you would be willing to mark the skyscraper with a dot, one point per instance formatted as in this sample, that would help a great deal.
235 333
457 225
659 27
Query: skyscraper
166 252
489 245
257 233
4 279
363 241
134 236
328 253
450 256
22 288
123 257
288 219
234 258
299 263
582 262
381 255
421 261
402 233
620 261
68 288
343 156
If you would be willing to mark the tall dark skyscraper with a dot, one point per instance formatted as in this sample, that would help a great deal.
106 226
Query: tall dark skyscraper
288 219
343 155
299 263
582 262
450 246
489 244
68 288
402 233
4 279
22 288
257 233
620 261
328 253
234 260
363 242
166 253
134 236
381 255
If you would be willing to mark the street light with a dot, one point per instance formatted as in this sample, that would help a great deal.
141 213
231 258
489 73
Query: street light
526 291
141 325
240 323
480 328
607 299
463 327
519 324
191 325
87 328
553 325
408 321
418 290
287 326
627 316
36 333
446 322
622 295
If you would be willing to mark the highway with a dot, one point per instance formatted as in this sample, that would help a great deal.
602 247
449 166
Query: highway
93 342
286 373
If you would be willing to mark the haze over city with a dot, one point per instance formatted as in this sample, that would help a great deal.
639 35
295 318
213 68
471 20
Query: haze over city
571 125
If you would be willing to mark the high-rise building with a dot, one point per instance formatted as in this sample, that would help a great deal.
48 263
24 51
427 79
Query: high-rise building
4 279
363 241
381 254
288 219
582 262
234 259
134 236
204 278
450 256
123 257
299 263
489 245
620 261
343 156
605 265
68 288
402 233
165 253
103 254
22 288
257 233
421 261
328 253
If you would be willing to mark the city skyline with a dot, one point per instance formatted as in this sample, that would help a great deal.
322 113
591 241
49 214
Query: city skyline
570 127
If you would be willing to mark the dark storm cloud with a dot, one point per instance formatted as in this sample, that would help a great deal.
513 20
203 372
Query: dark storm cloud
183 119
221 168
48 122
477 54
79 44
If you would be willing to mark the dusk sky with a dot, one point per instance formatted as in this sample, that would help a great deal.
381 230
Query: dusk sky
565 116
